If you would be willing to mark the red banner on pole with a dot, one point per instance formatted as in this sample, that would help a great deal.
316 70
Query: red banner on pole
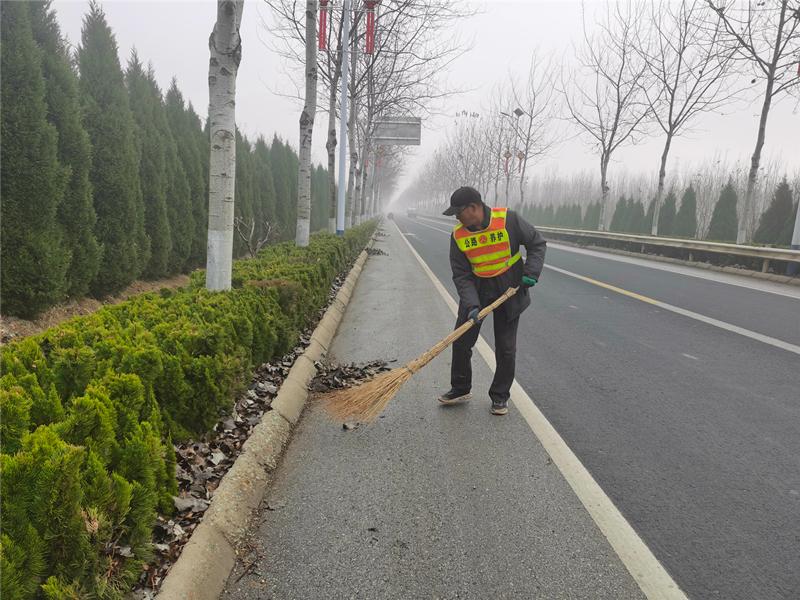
370 35
323 24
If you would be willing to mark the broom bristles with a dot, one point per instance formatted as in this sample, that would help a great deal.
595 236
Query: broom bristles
366 401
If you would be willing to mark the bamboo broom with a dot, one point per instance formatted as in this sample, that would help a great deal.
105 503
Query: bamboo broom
366 401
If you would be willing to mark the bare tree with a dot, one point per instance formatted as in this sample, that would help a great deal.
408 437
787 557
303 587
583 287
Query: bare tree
307 128
534 111
225 46
766 35
608 104
411 49
352 143
247 233
689 66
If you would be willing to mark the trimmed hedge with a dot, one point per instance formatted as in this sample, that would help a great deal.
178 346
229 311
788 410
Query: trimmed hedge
89 409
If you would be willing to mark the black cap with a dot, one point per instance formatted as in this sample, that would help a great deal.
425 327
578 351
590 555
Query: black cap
461 198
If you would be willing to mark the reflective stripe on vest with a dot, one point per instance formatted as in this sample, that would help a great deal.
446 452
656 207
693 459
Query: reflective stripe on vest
488 250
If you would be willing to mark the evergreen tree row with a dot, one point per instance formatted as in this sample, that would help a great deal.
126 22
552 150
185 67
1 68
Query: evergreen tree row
105 177
775 225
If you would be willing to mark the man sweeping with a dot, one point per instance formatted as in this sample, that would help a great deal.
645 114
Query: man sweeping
485 259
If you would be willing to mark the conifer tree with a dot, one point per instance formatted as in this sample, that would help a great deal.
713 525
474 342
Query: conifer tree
686 219
648 218
243 204
202 139
76 212
666 217
724 222
635 219
265 190
145 104
619 219
591 220
115 162
785 237
280 178
179 212
577 216
548 215
318 188
772 227
187 133
33 182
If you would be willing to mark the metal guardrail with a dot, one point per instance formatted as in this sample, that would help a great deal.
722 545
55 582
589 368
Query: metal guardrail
765 255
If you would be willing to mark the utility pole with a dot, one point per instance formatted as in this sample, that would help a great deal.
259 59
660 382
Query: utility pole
343 141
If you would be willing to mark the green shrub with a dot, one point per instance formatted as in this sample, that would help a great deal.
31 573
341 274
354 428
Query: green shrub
89 409
724 220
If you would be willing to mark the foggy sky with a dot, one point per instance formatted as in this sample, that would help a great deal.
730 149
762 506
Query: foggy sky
174 37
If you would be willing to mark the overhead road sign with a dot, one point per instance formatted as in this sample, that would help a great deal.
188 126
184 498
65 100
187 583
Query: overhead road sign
398 131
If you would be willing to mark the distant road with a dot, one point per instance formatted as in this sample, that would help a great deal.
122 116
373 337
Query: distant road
681 396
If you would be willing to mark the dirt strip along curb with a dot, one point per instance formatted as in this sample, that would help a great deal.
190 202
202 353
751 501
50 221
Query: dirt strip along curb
209 556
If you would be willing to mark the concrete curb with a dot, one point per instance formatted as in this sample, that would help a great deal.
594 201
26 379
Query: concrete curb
202 569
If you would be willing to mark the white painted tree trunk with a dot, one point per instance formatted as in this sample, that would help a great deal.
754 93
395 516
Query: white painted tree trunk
363 177
307 129
331 148
225 48
351 207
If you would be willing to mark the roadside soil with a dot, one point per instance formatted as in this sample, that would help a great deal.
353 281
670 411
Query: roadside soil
14 328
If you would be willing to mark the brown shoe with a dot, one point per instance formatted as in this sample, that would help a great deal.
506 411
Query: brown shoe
453 397
499 408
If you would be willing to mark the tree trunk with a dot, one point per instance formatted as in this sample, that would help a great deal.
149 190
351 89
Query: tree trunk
604 192
372 184
330 146
351 134
662 173
362 191
225 48
744 232
307 129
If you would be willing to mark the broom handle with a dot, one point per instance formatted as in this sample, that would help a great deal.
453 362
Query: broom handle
416 364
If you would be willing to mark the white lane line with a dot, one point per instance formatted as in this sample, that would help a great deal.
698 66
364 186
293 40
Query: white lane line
435 228
690 356
753 335
644 567
748 283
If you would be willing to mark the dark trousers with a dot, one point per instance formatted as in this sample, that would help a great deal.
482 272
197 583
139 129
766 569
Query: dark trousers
505 340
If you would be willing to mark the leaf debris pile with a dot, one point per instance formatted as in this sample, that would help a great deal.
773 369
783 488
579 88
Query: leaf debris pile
332 376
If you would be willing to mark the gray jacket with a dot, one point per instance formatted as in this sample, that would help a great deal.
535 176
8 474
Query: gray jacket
477 292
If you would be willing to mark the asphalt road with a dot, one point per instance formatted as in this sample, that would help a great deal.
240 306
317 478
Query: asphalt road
691 429
429 502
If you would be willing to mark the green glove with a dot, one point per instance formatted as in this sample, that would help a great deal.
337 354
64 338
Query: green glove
529 281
